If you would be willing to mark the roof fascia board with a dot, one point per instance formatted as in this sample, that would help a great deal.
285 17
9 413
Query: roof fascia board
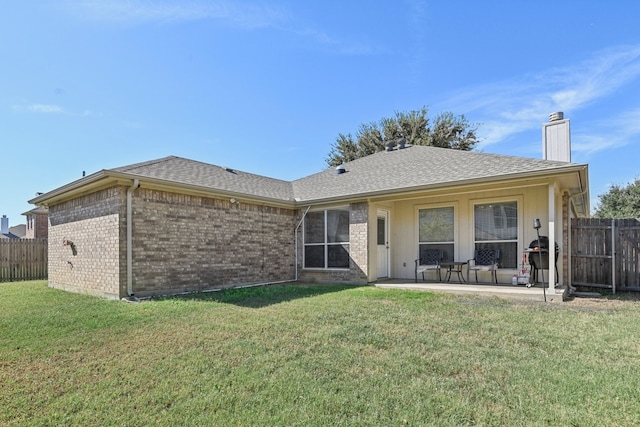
72 188
109 178
196 190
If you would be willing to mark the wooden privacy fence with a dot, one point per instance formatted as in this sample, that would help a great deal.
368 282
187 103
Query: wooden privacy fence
23 259
605 253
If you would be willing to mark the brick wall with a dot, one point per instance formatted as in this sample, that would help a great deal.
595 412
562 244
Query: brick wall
37 226
180 243
184 243
41 226
90 261
358 251
187 243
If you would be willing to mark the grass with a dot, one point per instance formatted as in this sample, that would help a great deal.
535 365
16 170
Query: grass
315 356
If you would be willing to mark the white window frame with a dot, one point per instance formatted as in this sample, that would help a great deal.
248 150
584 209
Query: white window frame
519 200
453 205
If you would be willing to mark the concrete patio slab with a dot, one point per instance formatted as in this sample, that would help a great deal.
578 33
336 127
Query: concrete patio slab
507 291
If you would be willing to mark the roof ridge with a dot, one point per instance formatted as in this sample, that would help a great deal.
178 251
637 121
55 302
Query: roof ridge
146 163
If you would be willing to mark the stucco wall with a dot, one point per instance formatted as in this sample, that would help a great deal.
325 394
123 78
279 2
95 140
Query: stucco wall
84 249
533 202
188 243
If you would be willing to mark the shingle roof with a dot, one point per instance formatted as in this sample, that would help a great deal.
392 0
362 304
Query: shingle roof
415 167
191 172
412 168
19 230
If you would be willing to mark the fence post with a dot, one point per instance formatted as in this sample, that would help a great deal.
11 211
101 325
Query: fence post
613 255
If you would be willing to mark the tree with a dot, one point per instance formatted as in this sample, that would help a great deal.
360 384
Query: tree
448 131
620 202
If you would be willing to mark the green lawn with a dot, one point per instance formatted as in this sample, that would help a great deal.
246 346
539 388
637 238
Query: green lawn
316 356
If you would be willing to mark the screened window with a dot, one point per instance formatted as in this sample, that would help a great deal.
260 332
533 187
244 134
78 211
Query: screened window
326 239
436 230
496 227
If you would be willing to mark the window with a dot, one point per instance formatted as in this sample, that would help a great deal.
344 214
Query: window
436 230
326 239
382 231
496 227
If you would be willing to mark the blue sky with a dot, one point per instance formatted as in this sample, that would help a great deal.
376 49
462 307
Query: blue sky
266 87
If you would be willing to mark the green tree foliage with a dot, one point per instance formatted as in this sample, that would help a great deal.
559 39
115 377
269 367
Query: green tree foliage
620 202
447 131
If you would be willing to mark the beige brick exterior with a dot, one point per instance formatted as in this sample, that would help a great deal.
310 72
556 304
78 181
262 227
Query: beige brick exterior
90 261
187 243
181 243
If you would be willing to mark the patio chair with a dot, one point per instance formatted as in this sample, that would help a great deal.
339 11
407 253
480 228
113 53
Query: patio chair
484 259
429 260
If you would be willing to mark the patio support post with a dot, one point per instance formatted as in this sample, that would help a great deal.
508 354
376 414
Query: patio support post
552 238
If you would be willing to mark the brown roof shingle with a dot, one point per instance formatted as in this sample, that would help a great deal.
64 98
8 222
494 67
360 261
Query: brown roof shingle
412 168
191 172
415 167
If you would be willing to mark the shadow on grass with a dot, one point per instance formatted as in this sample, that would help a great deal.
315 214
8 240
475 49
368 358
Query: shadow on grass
625 295
261 296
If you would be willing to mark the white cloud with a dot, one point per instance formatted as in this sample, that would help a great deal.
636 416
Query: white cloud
612 133
39 108
45 108
52 109
518 105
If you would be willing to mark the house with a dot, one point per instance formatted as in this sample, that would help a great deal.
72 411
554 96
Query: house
176 225
37 224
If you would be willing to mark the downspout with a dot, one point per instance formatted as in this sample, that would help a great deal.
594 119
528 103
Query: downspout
130 190
295 240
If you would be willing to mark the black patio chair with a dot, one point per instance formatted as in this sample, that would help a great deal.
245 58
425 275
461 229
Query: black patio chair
429 260
484 259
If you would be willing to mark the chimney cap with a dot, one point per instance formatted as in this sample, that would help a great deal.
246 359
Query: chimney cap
558 115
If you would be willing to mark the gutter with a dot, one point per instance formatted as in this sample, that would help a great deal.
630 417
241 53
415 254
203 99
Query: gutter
134 186
581 193
105 178
295 240
470 182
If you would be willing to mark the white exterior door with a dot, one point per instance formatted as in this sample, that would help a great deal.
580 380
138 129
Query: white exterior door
383 243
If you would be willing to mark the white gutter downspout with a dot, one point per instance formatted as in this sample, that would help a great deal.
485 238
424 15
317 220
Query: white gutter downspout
295 239
130 190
